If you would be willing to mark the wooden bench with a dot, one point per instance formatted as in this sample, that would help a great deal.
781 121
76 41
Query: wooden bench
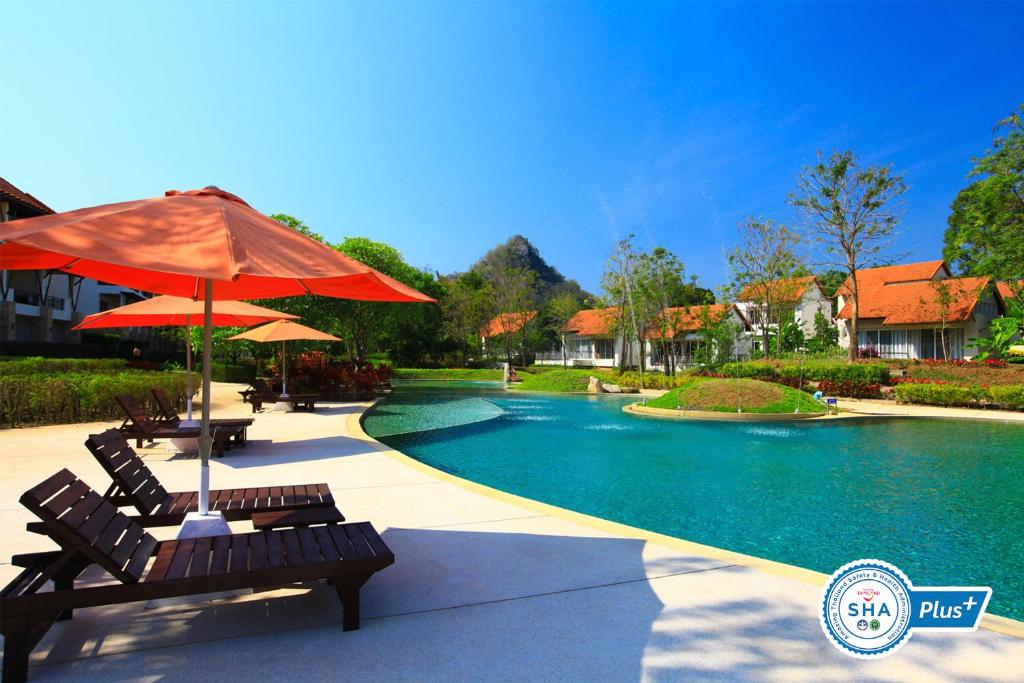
134 484
90 530
278 519
261 393
236 427
140 426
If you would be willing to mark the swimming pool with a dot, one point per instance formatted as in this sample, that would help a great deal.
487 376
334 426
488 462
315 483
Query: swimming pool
943 500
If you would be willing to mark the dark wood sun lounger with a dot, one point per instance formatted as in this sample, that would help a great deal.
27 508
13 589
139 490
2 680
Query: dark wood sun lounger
141 427
134 484
90 530
168 417
261 393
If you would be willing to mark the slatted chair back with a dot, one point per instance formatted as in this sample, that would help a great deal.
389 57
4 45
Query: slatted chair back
262 388
136 413
135 481
79 519
164 407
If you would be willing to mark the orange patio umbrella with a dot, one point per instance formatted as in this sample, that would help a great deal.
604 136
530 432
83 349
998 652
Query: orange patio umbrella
283 331
176 311
203 244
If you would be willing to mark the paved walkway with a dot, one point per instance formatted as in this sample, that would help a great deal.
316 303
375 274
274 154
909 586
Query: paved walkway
484 587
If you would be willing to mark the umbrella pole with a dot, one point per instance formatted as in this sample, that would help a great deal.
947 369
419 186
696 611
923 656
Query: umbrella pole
188 363
205 440
284 371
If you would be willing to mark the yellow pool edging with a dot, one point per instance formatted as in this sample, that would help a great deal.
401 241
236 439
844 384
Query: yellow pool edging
669 414
354 423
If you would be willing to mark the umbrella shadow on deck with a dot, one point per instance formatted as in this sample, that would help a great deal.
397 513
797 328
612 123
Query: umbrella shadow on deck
469 605
518 603
263 452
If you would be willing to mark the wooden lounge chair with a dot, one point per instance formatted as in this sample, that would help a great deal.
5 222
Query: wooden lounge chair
140 426
90 530
168 417
260 393
134 484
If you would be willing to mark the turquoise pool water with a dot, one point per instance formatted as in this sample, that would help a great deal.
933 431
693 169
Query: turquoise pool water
942 500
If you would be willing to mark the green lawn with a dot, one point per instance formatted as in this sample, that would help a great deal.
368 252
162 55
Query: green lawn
478 374
561 380
726 395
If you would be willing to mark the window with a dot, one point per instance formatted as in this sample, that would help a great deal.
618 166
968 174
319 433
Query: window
888 343
931 344
604 348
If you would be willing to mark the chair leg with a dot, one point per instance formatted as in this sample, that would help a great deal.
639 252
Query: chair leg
16 650
348 591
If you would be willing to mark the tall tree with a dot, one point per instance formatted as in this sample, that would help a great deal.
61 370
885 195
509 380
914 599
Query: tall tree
761 261
514 292
852 214
465 309
560 309
986 227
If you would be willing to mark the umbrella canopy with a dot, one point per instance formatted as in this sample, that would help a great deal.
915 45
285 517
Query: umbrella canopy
175 243
175 311
204 244
282 331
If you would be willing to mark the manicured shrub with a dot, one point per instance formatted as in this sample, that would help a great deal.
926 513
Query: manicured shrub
35 364
1009 396
46 398
850 388
941 394
875 373
755 370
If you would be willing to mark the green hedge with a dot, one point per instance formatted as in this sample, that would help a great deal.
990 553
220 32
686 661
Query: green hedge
874 373
43 398
35 364
225 372
941 394
1008 395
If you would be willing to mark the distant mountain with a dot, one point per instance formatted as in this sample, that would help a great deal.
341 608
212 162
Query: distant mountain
519 253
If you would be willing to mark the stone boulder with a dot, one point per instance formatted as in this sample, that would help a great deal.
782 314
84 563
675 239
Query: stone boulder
594 387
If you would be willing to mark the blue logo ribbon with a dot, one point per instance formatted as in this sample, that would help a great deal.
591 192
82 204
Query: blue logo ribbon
948 609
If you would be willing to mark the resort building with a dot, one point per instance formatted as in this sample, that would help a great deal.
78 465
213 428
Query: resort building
793 299
675 338
41 307
918 310
590 339
503 328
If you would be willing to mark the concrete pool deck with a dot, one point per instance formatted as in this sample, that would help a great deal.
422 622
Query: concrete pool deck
485 586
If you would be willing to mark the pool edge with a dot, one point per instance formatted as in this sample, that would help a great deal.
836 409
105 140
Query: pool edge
992 622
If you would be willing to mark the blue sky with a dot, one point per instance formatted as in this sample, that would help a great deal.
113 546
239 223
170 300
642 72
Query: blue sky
443 129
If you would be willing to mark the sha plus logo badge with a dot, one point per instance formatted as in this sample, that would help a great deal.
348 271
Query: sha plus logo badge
870 608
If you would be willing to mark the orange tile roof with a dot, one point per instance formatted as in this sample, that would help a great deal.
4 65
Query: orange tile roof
906 272
790 289
592 322
11 193
1009 290
916 303
687 319
506 323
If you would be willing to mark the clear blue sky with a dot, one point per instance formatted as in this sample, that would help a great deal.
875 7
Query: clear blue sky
444 128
